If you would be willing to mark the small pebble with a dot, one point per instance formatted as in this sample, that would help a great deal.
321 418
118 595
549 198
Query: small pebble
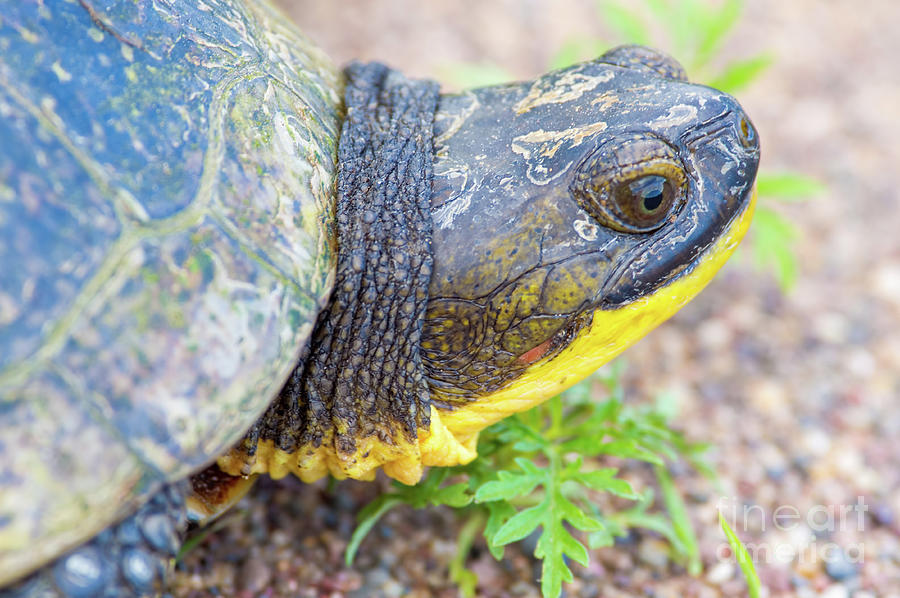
654 552
882 514
839 567
255 575
799 581
392 589
835 591
808 567
720 573
777 579
816 441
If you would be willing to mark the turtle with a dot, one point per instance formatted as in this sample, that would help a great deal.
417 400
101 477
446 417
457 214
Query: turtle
224 256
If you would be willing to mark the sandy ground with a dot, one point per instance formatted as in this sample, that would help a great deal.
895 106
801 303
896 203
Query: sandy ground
798 392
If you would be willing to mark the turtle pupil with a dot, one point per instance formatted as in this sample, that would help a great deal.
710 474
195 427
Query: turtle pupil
651 192
651 203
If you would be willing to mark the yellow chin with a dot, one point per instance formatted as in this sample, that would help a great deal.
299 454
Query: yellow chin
452 436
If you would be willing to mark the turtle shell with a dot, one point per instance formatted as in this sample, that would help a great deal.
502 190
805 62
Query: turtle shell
166 241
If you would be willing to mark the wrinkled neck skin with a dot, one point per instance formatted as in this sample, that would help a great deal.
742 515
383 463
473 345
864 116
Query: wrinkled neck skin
358 396
536 279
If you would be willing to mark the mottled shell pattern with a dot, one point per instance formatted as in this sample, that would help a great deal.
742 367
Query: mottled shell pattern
166 241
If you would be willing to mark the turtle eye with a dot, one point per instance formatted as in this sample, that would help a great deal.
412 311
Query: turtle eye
748 134
633 186
646 200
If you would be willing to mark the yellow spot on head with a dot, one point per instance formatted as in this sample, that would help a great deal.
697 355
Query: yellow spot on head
62 74
28 35
570 86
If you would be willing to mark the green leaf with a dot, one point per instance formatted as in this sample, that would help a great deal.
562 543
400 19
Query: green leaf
366 520
787 186
628 448
499 512
528 466
716 27
655 522
520 525
508 485
738 74
604 480
572 547
638 517
680 520
667 405
526 480
697 455
553 543
553 574
600 538
522 438
626 22
576 517
453 496
754 586
772 246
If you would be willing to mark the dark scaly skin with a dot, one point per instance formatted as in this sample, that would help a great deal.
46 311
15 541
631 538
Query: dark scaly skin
363 375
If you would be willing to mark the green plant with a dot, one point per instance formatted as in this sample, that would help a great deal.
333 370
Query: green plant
539 470
754 586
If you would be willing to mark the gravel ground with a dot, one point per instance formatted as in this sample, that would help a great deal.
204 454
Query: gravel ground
795 391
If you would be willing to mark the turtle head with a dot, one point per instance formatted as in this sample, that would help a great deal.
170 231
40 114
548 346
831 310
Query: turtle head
568 217
572 214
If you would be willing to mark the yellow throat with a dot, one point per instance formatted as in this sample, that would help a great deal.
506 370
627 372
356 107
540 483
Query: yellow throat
610 333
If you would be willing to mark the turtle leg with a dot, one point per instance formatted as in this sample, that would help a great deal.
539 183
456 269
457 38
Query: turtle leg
131 558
